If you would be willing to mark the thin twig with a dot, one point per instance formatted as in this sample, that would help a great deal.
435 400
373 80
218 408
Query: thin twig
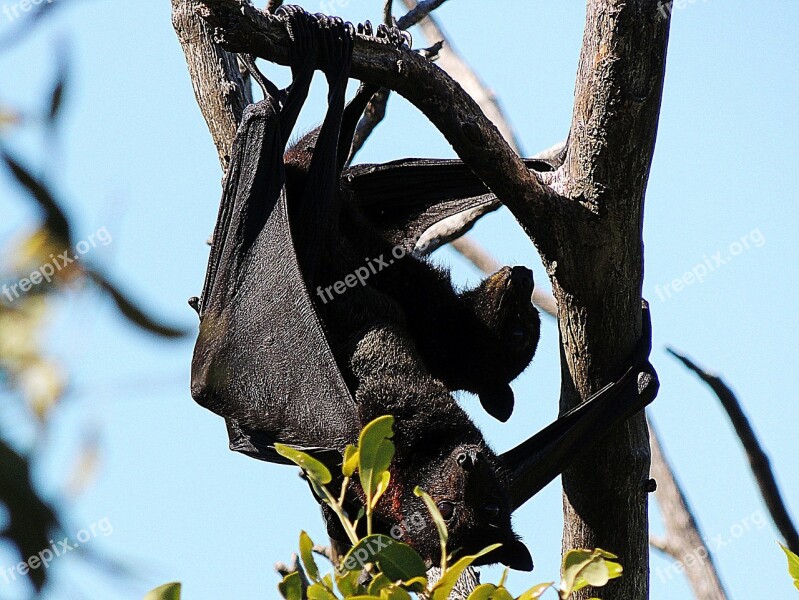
418 12
758 460
388 19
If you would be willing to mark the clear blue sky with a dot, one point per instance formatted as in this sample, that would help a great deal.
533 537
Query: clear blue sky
135 157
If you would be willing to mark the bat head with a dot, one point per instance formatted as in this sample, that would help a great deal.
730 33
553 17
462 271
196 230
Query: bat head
471 496
503 302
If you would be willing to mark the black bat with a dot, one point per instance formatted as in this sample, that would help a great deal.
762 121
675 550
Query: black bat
286 357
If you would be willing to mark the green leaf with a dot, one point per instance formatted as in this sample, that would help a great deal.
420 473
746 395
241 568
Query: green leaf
394 592
312 467
381 488
291 586
793 565
443 535
375 452
318 591
168 591
416 584
582 568
444 586
348 585
398 561
379 582
482 592
306 554
350 462
536 591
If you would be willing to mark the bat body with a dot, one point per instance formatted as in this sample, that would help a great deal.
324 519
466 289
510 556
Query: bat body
285 357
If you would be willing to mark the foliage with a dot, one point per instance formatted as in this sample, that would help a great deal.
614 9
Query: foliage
34 278
793 565
379 566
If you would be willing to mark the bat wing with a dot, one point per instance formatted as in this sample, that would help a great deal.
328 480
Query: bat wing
406 197
262 360
535 462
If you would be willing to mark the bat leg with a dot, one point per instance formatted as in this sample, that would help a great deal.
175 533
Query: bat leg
358 104
302 58
317 208
350 119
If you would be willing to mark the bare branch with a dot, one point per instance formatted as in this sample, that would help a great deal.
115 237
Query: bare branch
418 12
683 540
242 28
388 19
375 112
758 461
451 61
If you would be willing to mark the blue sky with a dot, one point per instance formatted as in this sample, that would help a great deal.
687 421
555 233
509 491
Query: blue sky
135 157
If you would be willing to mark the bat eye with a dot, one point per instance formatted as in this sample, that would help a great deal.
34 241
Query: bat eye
447 509
491 511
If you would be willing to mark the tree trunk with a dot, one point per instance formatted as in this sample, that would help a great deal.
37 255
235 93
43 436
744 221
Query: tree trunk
597 273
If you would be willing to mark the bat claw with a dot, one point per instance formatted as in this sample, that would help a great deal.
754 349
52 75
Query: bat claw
394 36
300 26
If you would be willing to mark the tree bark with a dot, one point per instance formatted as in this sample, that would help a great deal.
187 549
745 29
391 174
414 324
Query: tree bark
598 272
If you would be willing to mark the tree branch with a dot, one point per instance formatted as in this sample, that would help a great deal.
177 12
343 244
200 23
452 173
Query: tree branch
218 86
758 460
683 540
239 27
598 278
418 12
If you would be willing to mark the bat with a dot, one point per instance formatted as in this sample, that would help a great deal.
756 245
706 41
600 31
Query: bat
285 357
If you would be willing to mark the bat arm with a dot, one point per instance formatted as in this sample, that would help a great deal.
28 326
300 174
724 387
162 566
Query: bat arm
535 462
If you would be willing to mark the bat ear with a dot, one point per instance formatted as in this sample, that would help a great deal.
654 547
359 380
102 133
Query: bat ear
498 402
513 554
516 556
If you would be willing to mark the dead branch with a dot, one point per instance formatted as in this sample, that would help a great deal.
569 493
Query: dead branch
683 541
758 460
